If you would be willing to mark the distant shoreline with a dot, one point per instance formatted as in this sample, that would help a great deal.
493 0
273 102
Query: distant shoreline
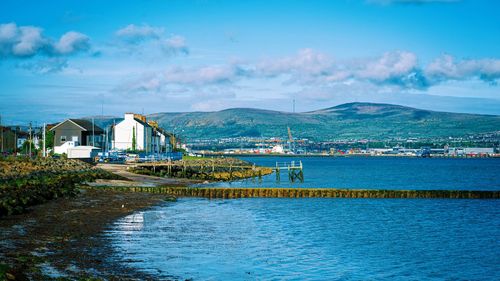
338 156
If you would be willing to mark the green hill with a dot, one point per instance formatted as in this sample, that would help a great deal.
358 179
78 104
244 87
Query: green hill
346 121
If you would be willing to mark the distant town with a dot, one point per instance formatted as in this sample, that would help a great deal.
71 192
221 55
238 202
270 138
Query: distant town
486 145
135 138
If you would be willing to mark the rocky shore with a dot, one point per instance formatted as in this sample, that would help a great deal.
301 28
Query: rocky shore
52 224
62 239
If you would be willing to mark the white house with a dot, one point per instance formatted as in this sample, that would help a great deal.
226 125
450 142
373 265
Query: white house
133 125
161 139
22 137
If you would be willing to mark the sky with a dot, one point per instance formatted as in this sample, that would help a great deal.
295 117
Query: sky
70 59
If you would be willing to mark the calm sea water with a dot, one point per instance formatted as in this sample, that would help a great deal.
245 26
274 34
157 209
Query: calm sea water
383 172
327 238
314 239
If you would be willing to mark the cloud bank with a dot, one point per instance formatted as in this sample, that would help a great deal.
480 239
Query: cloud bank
308 68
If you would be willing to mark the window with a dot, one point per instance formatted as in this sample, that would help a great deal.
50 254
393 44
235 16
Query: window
63 138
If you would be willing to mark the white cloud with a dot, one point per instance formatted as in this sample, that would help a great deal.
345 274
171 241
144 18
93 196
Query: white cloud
392 71
186 77
149 82
305 62
150 36
175 44
29 41
135 34
72 42
389 65
447 67
308 66
202 75
23 41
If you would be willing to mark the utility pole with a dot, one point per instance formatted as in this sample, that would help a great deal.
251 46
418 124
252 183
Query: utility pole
44 153
103 146
93 131
293 105
113 134
29 141
1 128
15 141
106 143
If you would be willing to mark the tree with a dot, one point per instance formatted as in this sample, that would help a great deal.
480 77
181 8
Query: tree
49 140
26 148
134 141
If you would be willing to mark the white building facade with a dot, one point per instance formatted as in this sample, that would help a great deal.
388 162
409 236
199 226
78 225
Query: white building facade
123 134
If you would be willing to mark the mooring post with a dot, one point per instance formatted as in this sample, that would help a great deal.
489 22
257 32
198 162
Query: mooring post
278 172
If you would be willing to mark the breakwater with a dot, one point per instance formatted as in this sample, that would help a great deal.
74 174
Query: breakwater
232 193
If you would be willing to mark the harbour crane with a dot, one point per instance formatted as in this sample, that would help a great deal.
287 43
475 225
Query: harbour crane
290 140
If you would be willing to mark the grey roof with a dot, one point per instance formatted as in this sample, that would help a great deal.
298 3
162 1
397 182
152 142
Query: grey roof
145 124
85 124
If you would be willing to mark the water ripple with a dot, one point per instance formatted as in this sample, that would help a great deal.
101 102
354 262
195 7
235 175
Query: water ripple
314 239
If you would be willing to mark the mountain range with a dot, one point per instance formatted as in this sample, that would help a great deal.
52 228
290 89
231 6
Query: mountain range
347 121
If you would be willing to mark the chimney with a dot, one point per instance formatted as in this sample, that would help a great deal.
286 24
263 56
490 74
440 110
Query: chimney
129 116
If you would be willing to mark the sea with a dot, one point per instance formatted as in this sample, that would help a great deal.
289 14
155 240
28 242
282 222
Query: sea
326 238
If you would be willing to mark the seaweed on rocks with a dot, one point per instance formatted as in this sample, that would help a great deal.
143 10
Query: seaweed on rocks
26 182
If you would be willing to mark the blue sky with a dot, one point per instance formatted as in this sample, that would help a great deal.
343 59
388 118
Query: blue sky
78 58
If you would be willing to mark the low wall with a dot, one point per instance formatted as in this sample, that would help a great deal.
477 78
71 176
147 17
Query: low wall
229 193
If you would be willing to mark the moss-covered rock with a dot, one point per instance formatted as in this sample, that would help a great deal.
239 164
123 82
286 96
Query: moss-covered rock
25 182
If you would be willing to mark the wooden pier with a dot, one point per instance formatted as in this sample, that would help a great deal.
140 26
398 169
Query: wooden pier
294 168
201 170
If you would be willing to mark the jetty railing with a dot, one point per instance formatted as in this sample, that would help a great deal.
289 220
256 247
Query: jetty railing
294 168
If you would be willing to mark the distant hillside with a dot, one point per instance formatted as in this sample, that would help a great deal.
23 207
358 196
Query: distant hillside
346 121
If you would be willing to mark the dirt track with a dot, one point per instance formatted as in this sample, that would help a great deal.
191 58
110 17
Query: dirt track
138 180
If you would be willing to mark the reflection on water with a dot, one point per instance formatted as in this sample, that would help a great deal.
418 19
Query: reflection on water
314 239
131 223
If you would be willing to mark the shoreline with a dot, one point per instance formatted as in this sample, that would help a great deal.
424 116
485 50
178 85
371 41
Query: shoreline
342 156
64 237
